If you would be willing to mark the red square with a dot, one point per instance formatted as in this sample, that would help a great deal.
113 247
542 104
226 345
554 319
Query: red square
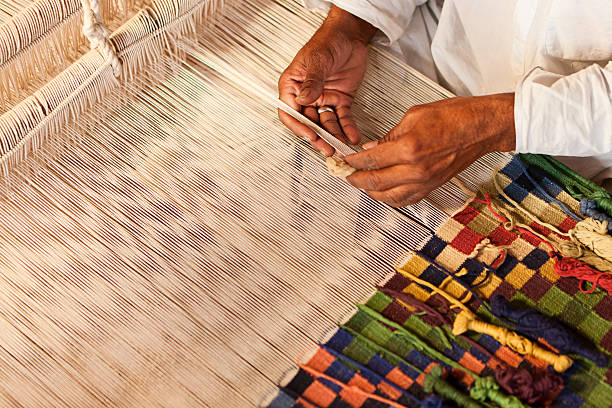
536 287
466 215
501 236
606 341
567 224
466 240
604 307
540 229
530 238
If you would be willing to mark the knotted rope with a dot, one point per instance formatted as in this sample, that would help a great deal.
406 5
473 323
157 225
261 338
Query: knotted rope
97 34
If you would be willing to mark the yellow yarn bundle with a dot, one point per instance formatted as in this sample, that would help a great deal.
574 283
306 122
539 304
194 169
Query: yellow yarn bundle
467 320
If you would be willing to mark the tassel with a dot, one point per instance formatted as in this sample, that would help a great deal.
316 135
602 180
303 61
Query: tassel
593 234
434 383
575 268
541 389
534 325
466 320
487 389
588 208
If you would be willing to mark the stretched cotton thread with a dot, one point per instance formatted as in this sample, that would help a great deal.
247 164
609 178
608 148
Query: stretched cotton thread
97 34
534 325
467 320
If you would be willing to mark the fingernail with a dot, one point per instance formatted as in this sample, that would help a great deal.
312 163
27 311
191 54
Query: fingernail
370 145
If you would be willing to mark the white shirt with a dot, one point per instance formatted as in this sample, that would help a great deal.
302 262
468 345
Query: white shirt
556 55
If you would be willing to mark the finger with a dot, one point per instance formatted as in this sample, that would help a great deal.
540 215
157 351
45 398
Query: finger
386 178
348 125
323 147
329 122
399 196
311 113
378 157
287 94
312 87
296 127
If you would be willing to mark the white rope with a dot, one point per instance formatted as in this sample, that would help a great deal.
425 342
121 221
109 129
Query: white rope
97 34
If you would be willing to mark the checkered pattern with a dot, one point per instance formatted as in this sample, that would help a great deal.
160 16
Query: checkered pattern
374 355
353 374
526 276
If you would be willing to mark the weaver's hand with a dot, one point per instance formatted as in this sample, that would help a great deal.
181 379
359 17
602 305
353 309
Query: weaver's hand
327 71
431 144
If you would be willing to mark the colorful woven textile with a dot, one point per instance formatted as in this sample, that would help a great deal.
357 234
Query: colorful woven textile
404 330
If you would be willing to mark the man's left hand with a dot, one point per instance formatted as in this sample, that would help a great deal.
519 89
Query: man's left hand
431 144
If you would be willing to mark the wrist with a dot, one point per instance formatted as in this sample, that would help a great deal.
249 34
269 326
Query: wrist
499 114
350 26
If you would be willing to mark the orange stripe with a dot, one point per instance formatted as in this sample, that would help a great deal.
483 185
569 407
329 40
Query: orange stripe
354 389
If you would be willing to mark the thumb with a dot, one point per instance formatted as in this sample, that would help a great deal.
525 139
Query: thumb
312 88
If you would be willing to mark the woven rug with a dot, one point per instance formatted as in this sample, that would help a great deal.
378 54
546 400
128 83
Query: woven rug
381 354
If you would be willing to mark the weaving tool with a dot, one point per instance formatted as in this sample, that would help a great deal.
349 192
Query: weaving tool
165 241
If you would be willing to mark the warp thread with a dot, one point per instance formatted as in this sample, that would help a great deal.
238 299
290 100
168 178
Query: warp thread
588 208
434 383
97 34
575 268
534 325
467 320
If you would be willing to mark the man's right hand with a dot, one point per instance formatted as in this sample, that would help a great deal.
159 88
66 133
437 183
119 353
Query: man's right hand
327 71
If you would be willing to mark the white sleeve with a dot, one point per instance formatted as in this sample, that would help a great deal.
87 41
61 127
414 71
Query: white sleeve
391 17
565 115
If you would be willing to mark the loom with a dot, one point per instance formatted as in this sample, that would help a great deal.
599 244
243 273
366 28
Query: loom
165 240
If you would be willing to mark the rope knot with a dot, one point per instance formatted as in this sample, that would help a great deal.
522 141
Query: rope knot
98 35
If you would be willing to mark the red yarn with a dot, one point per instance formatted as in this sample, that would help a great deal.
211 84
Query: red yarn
504 220
575 268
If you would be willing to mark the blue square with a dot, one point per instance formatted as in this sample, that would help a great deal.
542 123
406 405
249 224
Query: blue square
409 371
340 372
340 340
433 275
418 359
509 264
479 354
489 343
433 247
513 169
474 268
535 259
516 192
379 365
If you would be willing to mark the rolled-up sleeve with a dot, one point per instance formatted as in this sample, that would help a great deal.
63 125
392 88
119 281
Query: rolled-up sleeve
391 17
565 115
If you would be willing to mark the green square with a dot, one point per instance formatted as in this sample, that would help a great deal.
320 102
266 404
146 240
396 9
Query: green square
376 332
594 327
359 321
359 351
524 301
553 302
574 313
378 301
599 396
399 344
590 299
416 325
581 383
